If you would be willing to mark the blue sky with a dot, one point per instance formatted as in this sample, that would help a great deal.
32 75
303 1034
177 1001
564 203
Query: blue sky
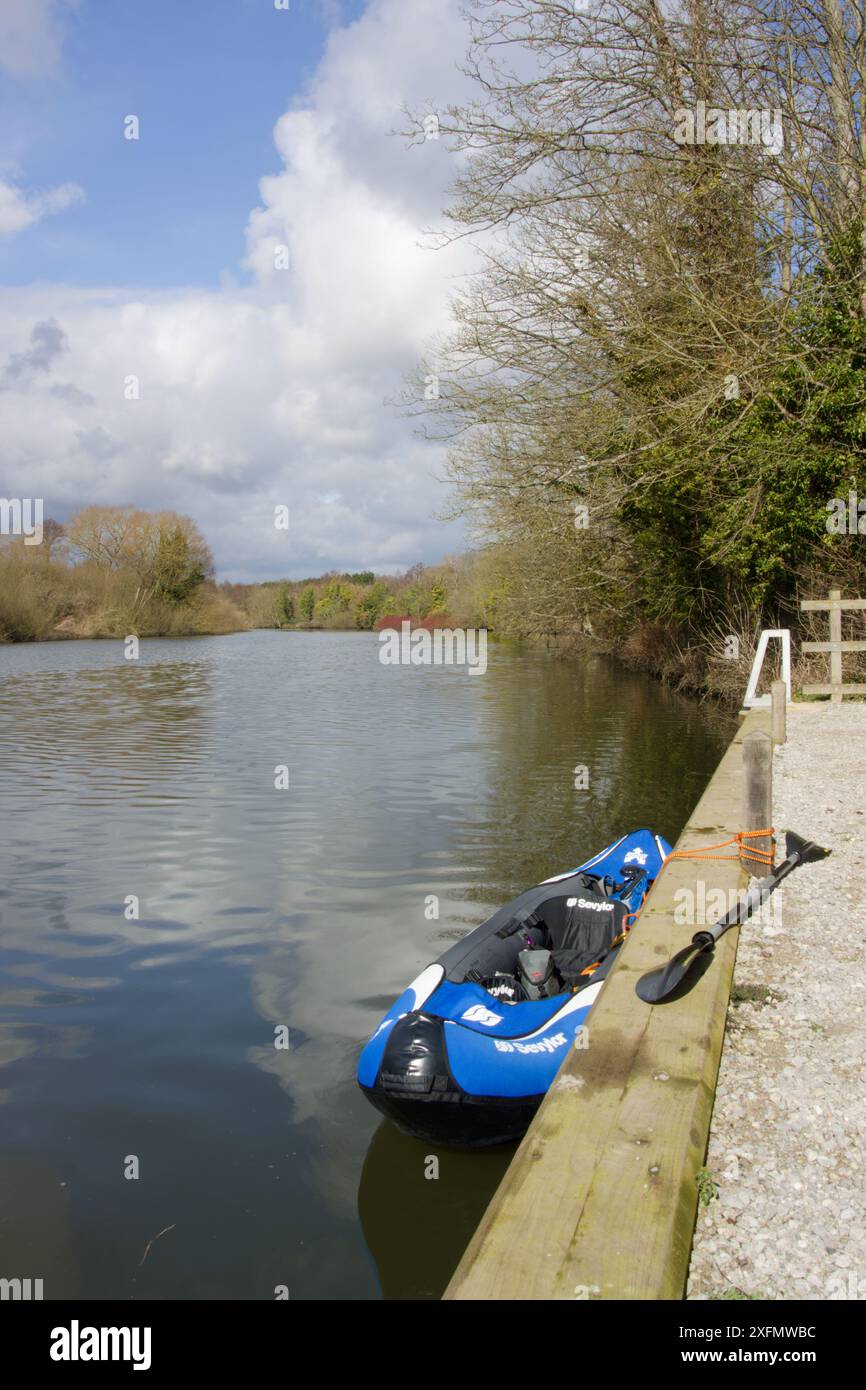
208 79
156 260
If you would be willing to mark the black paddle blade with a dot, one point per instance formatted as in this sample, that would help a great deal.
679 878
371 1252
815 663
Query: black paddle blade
656 985
667 980
806 850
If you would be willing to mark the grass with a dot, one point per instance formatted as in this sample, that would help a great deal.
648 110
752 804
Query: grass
754 994
708 1188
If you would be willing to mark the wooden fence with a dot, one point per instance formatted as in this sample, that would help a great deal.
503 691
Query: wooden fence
836 605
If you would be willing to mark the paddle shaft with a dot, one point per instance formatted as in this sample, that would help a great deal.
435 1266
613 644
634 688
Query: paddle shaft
753 900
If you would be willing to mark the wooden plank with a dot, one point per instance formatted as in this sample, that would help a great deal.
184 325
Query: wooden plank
600 1198
822 605
833 646
826 689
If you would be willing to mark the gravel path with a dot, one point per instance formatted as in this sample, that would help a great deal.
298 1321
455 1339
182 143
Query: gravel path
788 1140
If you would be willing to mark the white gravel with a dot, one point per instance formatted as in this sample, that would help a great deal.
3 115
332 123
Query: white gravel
788 1139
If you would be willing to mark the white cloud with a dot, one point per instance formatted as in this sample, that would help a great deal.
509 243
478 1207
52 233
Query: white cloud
275 393
31 36
19 210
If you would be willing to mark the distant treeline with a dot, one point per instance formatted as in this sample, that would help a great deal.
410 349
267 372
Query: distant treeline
358 600
111 571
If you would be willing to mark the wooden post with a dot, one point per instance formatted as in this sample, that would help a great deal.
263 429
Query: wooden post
779 699
757 798
836 654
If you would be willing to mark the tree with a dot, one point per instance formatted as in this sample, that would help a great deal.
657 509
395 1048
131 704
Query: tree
438 597
373 605
164 551
285 605
109 536
650 244
53 535
307 604
335 600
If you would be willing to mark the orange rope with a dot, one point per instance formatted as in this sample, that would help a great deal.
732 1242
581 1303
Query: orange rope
763 856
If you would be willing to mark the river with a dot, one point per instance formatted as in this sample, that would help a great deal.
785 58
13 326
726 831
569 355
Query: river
168 914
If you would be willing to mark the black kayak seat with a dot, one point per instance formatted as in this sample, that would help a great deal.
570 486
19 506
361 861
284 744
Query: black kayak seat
582 929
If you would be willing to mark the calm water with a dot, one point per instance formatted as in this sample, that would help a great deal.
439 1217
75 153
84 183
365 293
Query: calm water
153 1038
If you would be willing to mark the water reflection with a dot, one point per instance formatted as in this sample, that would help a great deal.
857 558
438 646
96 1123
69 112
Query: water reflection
416 1206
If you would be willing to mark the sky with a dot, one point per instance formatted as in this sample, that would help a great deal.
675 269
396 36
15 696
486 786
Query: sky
217 316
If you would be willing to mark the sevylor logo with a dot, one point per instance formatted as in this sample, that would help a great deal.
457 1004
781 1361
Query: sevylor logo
544 1045
478 1014
593 907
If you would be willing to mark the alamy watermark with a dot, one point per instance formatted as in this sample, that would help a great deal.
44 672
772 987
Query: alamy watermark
77 1343
20 1290
22 516
846 518
710 125
444 646
704 905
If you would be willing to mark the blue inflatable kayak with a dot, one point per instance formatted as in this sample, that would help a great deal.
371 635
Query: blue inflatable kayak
468 1051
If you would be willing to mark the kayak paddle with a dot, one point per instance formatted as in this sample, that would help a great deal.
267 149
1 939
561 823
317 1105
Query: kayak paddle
660 984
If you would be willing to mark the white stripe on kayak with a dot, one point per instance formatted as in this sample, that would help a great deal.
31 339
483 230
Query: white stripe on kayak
422 986
425 984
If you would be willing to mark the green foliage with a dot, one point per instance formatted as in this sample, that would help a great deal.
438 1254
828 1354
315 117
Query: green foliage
438 597
307 604
373 605
673 338
708 1188
739 516
754 994
346 601
285 605
334 602
177 570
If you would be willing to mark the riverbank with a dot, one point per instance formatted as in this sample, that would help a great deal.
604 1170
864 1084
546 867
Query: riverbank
707 665
48 608
789 1123
208 621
